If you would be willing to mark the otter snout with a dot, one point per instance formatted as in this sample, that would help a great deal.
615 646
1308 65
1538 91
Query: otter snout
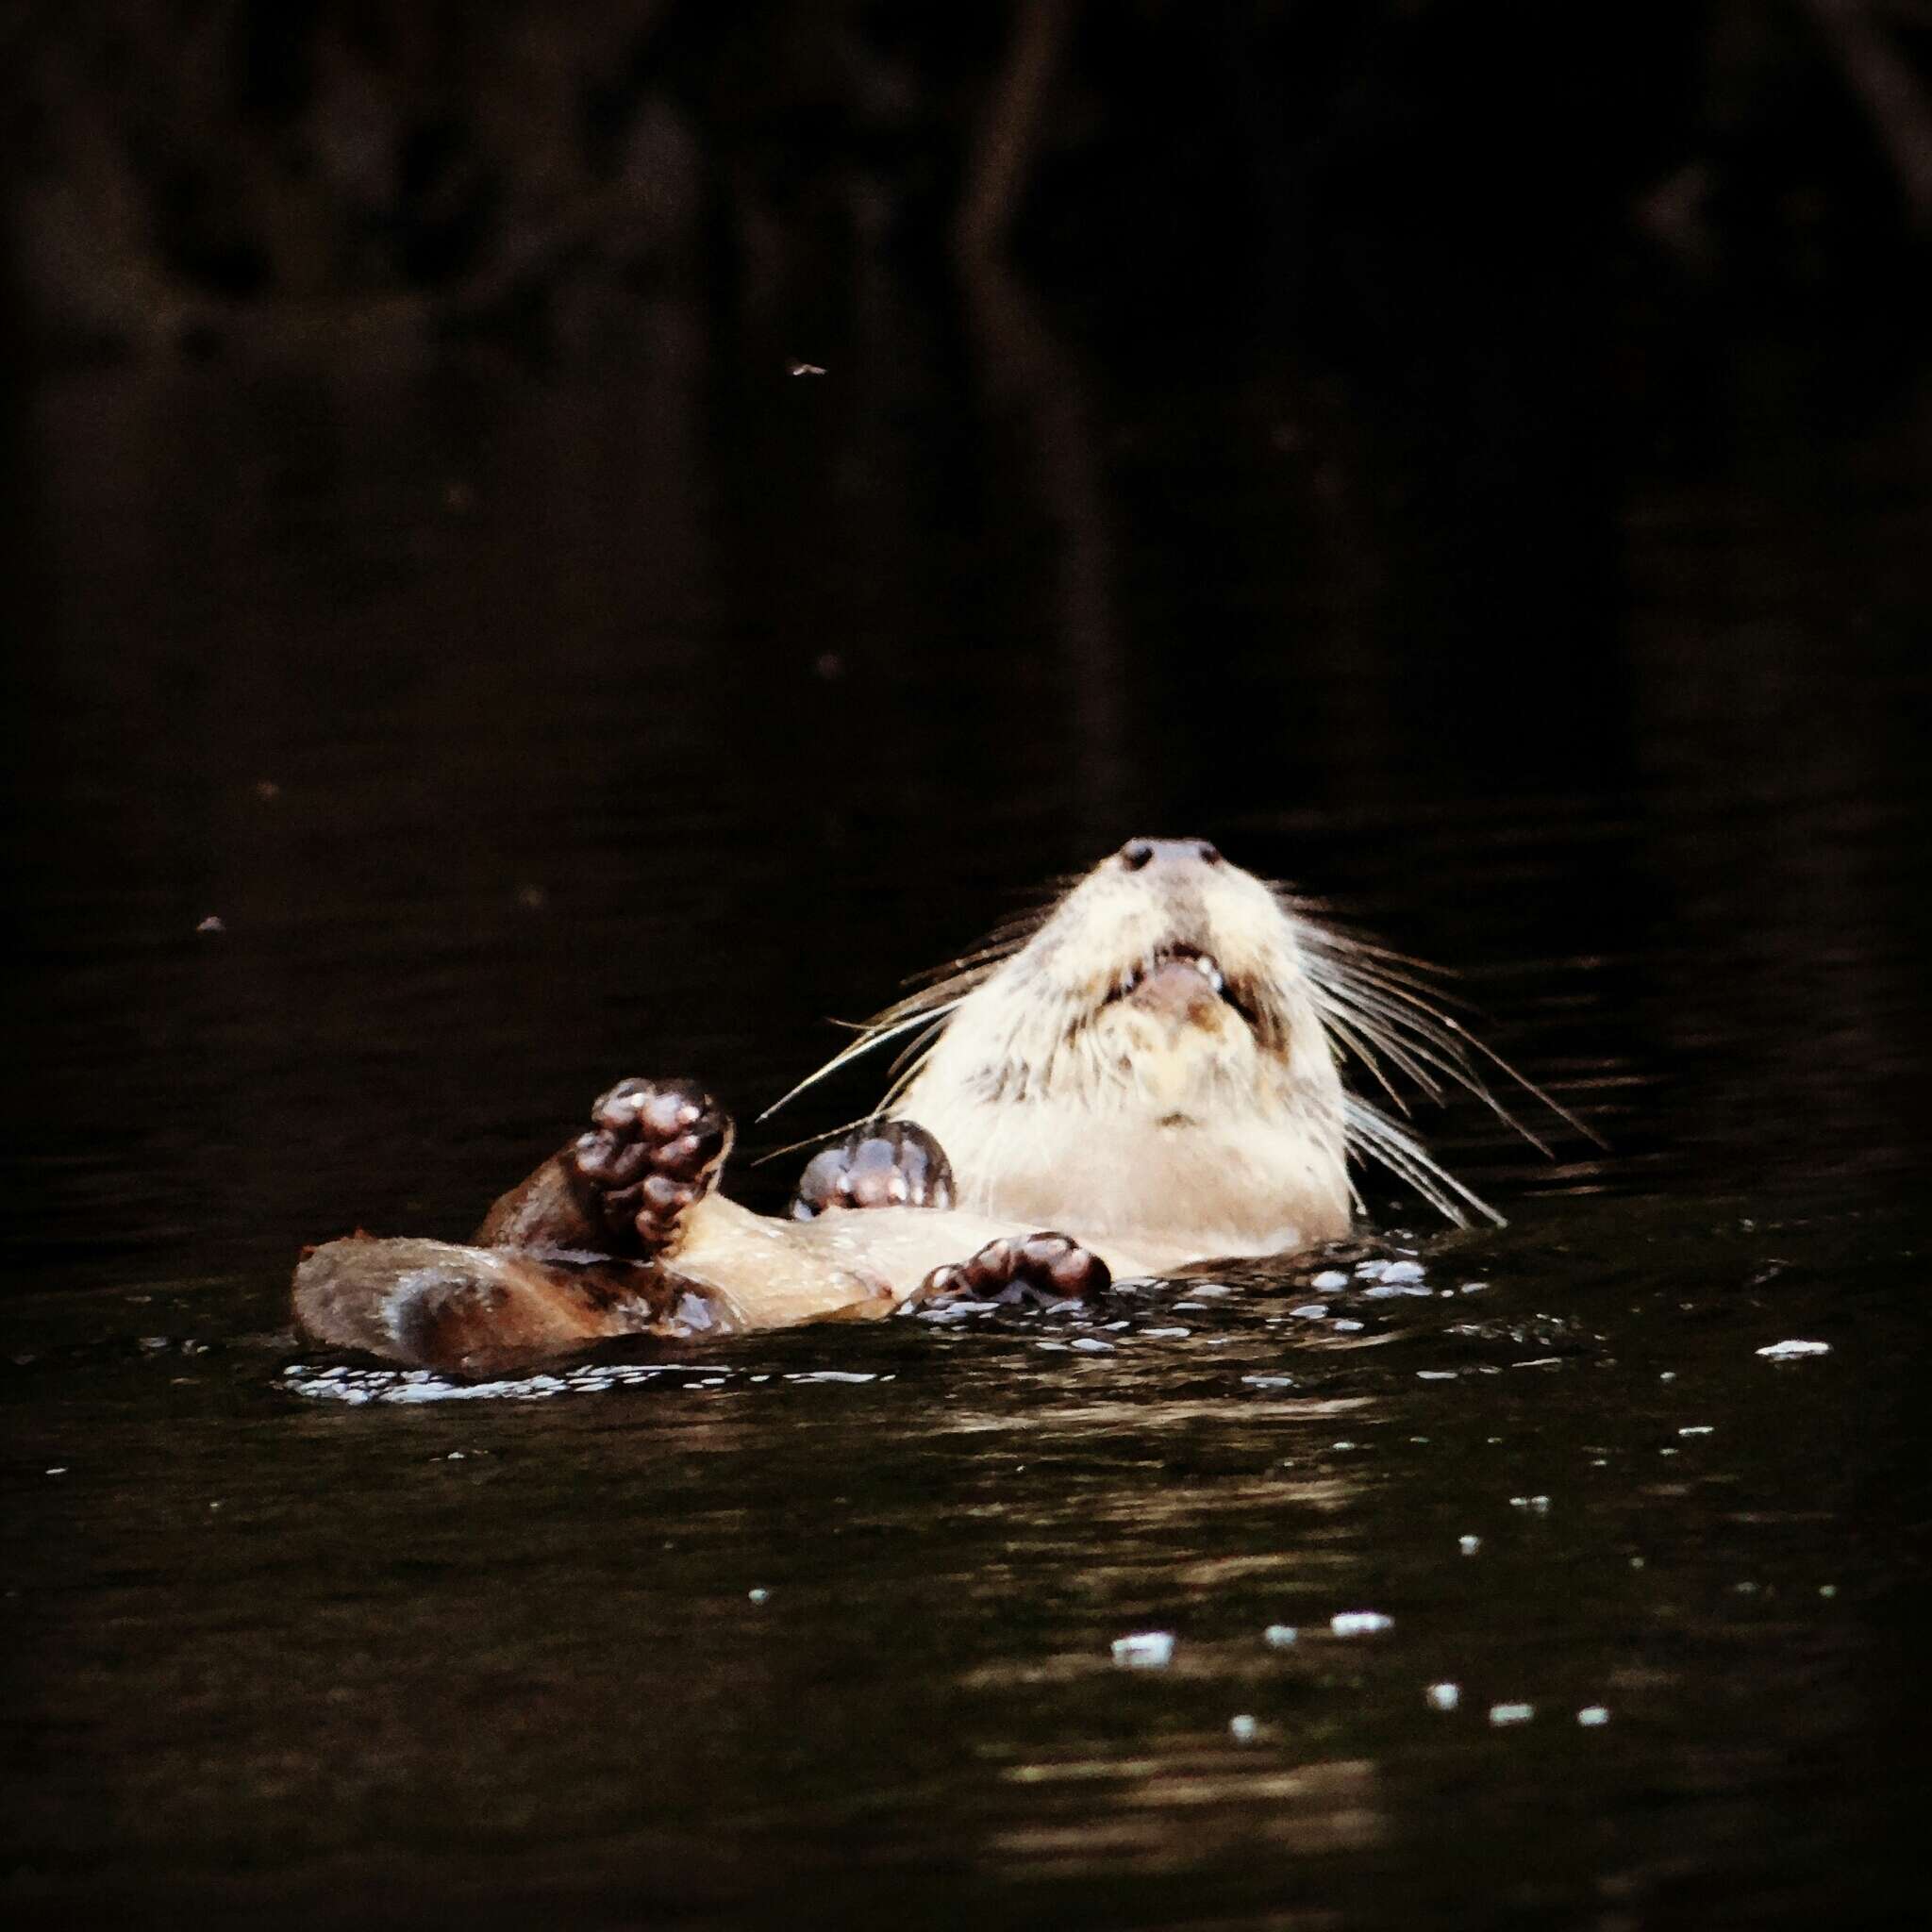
1137 855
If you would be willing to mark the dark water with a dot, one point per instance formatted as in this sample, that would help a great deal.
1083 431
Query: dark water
527 730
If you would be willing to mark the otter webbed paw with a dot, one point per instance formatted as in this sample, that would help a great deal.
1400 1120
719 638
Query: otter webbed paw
1040 1271
654 1148
881 1164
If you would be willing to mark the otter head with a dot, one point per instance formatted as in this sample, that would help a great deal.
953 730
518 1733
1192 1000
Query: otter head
1158 1056
1166 980
1153 1053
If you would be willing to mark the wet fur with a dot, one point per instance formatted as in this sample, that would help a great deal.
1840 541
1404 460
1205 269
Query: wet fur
1153 1067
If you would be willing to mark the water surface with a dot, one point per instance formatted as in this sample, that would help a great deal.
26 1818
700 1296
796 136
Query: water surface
523 731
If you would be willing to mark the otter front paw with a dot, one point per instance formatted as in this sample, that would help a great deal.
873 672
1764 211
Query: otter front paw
1039 1271
654 1147
879 1164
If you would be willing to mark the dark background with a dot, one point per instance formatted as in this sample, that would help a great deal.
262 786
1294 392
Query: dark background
1401 181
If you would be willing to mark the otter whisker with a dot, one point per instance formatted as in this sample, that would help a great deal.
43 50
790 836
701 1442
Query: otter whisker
908 1061
1359 1048
1365 957
1321 926
874 1035
1407 1054
1376 1135
1422 989
1528 1086
815 1140
1453 1044
977 959
947 992
928 1006
1453 1064
1402 1011
1000 943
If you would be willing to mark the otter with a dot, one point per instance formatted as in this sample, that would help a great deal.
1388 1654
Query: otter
1149 1074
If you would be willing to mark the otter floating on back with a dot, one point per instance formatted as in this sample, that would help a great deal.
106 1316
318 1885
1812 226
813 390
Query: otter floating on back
1153 1070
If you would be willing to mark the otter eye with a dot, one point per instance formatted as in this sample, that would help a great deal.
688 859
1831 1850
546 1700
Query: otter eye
1135 853
1208 852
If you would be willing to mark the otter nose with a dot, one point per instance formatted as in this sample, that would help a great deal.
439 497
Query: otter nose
1138 853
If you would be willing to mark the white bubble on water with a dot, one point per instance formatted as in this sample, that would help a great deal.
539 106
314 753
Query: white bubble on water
415 1386
1145 1650
1443 1696
1793 1350
1359 1623
1511 1713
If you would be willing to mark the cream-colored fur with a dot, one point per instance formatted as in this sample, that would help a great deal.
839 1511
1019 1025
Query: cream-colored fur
764 1274
1183 1127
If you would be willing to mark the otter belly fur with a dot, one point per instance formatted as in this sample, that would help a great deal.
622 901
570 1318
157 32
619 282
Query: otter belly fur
1152 1070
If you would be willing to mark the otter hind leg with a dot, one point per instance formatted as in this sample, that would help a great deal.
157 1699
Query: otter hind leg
480 1309
882 1163
1035 1270
450 1318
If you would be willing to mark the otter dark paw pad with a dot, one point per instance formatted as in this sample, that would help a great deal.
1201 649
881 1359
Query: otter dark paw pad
1040 1271
881 1164
654 1148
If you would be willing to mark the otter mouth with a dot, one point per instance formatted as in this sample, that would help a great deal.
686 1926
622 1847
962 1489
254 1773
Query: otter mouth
1180 978
1184 959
